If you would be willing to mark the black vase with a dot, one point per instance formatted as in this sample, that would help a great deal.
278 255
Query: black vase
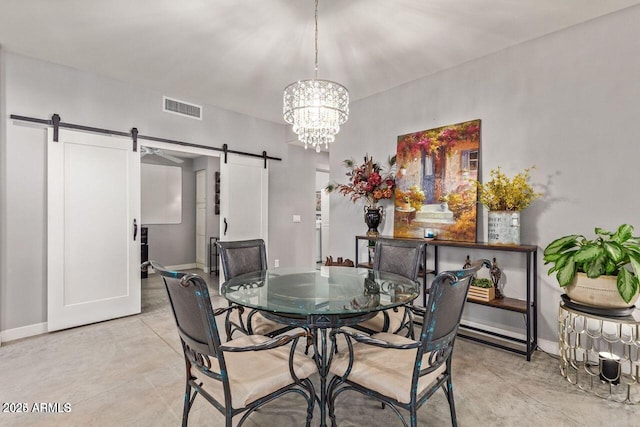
372 216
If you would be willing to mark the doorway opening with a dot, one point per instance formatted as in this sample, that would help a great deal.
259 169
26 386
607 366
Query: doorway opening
178 216
321 245
242 212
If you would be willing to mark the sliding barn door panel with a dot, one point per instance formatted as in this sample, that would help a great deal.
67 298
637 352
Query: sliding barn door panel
93 229
244 199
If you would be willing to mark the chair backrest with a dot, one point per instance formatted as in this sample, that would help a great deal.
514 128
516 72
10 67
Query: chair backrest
447 296
398 256
192 311
240 257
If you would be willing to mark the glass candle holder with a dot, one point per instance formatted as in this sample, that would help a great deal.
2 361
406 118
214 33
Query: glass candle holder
609 367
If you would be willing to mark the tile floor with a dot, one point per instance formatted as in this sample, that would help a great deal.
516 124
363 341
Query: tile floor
130 372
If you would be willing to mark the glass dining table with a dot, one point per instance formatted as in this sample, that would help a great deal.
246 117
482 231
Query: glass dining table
318 300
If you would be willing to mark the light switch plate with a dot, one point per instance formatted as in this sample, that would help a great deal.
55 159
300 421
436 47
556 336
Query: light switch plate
296 218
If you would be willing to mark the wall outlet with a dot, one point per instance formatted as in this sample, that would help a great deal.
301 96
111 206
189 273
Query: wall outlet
276 263
296 218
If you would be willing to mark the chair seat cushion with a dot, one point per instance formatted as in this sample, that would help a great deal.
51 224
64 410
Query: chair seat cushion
260 325
254 374
385 370
376 323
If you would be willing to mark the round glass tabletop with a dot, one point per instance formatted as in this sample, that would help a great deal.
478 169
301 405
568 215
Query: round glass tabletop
329 290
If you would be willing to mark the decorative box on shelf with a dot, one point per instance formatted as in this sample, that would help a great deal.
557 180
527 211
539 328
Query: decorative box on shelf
481 294
483 289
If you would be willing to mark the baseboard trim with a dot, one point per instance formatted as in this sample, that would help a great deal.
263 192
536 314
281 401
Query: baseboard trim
550 347
545 345
24 332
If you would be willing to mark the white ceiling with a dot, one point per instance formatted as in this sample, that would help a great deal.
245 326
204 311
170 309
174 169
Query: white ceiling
240 54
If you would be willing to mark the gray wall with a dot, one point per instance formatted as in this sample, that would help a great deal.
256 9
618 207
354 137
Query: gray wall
567 103
35 88
292 243
175 244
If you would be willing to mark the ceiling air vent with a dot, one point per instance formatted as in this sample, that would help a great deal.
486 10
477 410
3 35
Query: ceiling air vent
182 108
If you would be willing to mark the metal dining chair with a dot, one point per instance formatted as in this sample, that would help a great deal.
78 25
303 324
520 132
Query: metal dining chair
241 257
399 257
401 372
241 375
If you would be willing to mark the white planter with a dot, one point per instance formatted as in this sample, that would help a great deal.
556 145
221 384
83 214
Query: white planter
599 292
504 228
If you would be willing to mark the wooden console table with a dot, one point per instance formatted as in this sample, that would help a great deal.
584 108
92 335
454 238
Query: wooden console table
528 307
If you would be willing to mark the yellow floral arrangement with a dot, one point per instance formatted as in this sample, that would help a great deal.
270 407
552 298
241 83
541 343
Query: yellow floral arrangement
504 194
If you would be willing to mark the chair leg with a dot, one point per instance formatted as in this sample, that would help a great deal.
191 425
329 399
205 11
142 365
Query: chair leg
334 383
407 322
452 407
227 328
311 402
187 405
227 325
414 418
332 410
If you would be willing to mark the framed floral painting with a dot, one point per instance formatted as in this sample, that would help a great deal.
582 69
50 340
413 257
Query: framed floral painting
435 192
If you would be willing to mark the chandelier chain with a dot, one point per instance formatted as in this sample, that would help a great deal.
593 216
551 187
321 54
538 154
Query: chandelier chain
316 108
316 40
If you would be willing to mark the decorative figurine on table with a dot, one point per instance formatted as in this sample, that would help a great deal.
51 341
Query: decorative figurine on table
371 287
467 263
496 274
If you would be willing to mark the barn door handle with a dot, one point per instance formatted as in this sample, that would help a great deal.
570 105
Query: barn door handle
225 226
135 229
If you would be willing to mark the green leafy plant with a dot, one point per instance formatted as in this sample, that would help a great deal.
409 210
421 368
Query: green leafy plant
482 283
610 253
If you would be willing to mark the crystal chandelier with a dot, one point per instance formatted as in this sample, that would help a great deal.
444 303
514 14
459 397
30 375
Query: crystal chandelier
316 108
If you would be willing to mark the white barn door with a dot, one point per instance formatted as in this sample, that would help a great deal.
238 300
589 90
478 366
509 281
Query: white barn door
244 197
93 229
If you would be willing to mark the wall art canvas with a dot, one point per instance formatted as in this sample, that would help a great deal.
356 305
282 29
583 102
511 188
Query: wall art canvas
435 192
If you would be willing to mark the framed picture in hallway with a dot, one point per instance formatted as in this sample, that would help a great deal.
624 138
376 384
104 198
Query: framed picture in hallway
435 194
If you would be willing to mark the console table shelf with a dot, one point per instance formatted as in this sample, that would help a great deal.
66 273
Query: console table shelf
506 303
528 306
482 245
